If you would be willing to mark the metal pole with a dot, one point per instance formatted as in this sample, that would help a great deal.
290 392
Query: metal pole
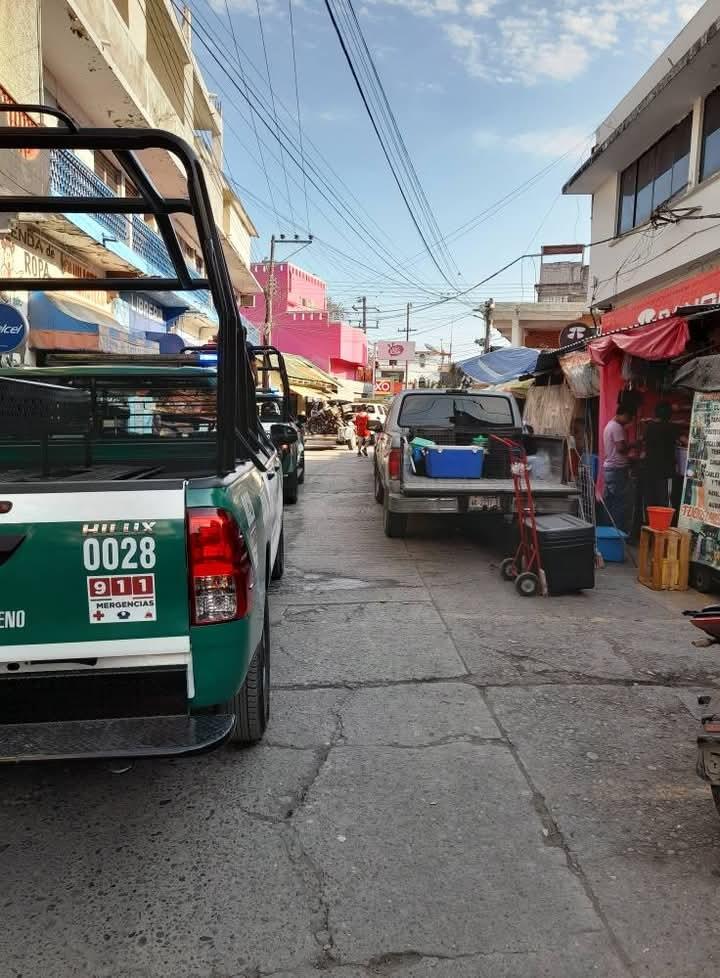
269 290
407 339
487 313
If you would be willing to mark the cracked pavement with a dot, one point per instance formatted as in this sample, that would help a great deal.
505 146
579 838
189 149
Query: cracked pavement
456 783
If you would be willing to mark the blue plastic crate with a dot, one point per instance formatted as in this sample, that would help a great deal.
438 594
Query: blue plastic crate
611 544
454 462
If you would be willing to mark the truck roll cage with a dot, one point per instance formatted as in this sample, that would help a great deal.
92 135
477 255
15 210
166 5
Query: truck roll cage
236 414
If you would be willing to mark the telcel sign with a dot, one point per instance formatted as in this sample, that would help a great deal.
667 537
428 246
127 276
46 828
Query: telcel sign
13 328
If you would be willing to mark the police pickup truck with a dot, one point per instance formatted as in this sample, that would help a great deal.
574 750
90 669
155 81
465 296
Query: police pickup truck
140 510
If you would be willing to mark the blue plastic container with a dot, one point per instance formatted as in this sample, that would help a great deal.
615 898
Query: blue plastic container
611 544
593 463
454 462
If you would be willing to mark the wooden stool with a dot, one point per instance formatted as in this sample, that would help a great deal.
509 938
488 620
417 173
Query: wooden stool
664 559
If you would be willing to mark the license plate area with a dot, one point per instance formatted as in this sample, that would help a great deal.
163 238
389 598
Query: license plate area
89 695
489 504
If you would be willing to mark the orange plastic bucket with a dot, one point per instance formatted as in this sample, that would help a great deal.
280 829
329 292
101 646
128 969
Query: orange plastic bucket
660 517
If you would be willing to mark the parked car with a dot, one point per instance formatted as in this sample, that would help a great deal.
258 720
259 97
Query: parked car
270 407
455 417
377 414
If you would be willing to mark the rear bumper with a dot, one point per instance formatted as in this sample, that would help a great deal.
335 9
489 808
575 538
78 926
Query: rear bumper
422 504
403 503
131 737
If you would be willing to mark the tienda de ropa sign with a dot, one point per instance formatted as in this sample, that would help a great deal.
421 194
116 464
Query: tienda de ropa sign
399 350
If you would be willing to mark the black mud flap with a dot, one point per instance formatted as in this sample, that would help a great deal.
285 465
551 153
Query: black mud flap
119 738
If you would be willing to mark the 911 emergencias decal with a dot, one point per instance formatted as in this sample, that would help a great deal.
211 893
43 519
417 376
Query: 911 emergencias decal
120 599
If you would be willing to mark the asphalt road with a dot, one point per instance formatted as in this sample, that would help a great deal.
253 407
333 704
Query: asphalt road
457 783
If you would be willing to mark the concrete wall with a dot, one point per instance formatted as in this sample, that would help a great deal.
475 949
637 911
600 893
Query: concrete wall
20 76
644 259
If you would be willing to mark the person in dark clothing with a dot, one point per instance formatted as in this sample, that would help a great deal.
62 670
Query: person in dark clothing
660 438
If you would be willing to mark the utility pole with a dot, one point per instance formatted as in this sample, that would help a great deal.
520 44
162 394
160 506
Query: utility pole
407 332
270 287
487 312
364 308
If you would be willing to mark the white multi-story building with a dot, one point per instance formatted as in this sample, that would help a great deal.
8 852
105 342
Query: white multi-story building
117 63
654 178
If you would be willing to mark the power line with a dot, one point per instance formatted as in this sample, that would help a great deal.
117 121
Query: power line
272 102
386 153
297 105
314 176
243 78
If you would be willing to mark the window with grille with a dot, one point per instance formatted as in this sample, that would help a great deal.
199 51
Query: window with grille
710 159
108 172
657 176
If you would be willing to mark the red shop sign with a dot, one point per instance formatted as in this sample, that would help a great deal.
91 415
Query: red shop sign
698 290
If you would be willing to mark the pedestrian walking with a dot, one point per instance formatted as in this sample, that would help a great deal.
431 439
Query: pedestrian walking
362 430
616 466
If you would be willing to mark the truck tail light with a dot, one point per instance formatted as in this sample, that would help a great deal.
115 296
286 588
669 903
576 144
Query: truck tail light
221 575
394 463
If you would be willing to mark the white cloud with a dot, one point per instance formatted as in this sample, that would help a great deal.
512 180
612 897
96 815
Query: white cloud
429 88
553 142
480 8
687 9
598 28
485 138
526 42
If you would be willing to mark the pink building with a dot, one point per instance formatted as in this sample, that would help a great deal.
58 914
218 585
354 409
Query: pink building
301 323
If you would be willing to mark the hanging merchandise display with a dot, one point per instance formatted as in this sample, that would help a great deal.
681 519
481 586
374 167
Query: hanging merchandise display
580 373
550 410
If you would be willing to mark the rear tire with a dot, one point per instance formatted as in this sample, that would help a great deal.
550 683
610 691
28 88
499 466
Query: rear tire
290 490
394 524
279 565
251 704
301 473
379 491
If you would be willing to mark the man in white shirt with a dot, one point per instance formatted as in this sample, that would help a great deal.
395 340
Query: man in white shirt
615 466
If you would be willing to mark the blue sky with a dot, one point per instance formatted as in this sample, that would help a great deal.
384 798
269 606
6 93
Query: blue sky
489 95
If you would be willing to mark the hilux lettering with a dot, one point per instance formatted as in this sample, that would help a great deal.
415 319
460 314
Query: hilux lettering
137 526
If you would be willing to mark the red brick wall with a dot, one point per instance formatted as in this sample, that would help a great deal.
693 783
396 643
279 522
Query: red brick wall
542 339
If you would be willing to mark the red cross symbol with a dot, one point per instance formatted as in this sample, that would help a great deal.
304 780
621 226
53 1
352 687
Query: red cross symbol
98 616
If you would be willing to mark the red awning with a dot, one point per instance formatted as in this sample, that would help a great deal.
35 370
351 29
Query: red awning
661 340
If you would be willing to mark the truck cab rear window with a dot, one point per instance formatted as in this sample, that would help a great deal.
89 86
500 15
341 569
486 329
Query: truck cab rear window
448 410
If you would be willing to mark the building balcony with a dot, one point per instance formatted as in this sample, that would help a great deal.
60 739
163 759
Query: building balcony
116 240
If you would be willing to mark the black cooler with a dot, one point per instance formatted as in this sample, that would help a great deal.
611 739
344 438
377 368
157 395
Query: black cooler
567 552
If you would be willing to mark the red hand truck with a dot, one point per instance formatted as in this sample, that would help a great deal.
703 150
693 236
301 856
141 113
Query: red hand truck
525 566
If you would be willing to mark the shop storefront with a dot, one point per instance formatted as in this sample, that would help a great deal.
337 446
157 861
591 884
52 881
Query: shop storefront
84 321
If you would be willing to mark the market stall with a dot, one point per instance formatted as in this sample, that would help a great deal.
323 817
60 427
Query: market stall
636 367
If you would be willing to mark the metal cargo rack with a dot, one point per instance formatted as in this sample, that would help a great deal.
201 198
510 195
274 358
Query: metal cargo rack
237 423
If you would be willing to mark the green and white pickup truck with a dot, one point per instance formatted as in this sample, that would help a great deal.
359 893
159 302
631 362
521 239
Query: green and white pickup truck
140 514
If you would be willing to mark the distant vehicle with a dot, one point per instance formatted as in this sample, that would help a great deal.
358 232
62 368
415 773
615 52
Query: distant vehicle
455 417
376 413
274 411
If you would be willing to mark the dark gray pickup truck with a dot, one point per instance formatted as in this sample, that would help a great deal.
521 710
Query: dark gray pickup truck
455 417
